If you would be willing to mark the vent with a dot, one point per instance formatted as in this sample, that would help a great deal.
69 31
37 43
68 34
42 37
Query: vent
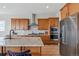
33 20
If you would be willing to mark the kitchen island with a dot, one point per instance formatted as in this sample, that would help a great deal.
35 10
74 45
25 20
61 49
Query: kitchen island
39 44
22 43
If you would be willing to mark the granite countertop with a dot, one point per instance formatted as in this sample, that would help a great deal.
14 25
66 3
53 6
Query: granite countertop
28 41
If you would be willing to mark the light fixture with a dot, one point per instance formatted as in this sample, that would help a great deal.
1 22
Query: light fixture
3 6
47 6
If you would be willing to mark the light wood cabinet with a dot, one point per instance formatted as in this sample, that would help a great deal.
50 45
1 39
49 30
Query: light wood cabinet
50 50
19 24
35 51
43 24
73 8
14 49
45 39
64 12
69 9
54 21
24 24
13 23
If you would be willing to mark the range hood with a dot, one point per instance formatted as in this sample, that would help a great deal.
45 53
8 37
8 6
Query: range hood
33 20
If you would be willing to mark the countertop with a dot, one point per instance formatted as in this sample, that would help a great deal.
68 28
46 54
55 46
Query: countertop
28 41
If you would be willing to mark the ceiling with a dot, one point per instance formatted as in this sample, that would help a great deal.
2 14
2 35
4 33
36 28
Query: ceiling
29 8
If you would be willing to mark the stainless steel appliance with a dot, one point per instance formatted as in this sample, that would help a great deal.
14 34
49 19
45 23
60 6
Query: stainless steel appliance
69 36
53 33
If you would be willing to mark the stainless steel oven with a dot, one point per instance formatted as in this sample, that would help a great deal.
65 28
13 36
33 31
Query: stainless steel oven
53 33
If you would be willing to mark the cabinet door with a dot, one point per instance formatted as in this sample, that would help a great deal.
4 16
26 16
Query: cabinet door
45 39
53 22
64 12
13 23
17 24
43 24
24 24
50 50
73 8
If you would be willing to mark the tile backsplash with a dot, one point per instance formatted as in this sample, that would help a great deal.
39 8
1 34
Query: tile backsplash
26 32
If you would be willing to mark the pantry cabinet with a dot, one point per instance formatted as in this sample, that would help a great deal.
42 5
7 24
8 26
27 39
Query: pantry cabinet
19 24
43 24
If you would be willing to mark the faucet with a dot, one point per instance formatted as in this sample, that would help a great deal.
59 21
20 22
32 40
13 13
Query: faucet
12 31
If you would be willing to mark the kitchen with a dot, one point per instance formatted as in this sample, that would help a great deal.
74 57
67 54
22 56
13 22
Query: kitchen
33 28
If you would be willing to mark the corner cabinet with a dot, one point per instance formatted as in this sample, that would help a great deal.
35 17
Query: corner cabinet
19 24
43 24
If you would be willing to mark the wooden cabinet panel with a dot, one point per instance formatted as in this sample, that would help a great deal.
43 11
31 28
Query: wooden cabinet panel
19 24
69 9
13 23
64 12
34 50
45 39
24 24
50 50
43 24
54 22
73 8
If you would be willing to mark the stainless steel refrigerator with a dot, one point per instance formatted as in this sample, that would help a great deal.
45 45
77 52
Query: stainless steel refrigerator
69 36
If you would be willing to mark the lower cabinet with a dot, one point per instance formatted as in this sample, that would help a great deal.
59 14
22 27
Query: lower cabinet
46 50
35 51
14 49
50 50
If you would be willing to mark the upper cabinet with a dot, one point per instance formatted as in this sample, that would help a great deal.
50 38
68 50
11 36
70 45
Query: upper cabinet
69 9
73 8
24 23
43 24
19 24
64 12
13 23
54 21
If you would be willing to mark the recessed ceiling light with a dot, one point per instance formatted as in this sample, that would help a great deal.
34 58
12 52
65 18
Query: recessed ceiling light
4 7
47 6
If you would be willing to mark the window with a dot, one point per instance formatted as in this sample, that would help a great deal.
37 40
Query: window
2 25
